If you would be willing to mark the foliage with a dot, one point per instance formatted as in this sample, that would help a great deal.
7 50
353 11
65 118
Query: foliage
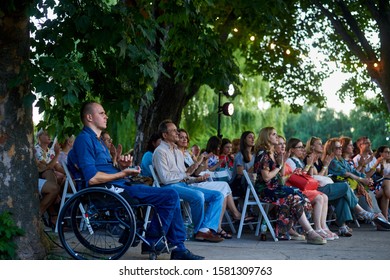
327 123
252 112
354 34
8 231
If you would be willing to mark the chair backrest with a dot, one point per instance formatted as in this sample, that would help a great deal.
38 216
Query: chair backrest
154 176
251 198
68 183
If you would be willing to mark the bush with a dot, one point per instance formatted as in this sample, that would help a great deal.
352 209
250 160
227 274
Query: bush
8 230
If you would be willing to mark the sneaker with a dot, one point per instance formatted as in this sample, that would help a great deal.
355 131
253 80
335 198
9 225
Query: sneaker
185 255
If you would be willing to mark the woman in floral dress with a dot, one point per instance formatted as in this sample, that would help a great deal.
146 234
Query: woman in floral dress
290 201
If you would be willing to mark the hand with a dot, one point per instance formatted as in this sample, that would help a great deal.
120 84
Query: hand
328 159
132 171
280 159
125 161
203 177
57 148
310 159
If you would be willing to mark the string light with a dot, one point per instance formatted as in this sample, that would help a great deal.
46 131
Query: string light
272 46
288 51
235 30
252 38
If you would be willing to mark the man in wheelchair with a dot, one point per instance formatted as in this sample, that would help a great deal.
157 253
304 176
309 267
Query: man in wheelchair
93 160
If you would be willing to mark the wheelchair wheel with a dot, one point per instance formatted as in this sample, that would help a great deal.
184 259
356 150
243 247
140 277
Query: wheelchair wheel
96 223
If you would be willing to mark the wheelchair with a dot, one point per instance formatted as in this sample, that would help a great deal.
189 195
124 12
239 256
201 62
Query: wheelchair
101 223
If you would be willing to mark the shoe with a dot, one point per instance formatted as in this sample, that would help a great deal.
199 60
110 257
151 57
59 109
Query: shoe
343 231
224 234
334 235
381 222
380 228
314 238
325 235
185 255
298 237
208 236
159 248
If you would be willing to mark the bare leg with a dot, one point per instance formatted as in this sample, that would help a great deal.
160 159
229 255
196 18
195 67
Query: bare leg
232 207
317 203
222 213
50 192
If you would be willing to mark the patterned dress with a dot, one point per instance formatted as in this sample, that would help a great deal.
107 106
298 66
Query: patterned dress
290 201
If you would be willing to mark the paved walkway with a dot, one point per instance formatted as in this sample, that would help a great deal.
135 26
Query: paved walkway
366 244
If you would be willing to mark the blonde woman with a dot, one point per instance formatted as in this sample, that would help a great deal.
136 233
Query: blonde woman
269 168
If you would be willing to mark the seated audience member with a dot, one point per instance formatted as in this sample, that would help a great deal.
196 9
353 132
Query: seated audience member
318 200
365 159
382 184
48 166
212 153
225 155
168 162
114 152
195 152
243 160
339 166
93 160
49 192
362 189
66 146
339 193
235 146
290 201
147 158
220 186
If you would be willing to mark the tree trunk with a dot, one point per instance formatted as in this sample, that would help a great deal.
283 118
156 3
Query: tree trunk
169 101
18 171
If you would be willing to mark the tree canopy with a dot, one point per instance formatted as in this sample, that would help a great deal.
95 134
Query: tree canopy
152 58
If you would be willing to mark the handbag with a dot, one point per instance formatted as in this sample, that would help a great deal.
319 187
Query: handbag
302 181
323 180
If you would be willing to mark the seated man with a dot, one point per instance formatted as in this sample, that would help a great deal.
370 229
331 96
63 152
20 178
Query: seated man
168 161
93 159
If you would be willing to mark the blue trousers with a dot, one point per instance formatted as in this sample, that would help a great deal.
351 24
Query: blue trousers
343 198
167 204
206 205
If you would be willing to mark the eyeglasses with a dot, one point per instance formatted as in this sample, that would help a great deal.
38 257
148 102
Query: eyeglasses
109 140
338 147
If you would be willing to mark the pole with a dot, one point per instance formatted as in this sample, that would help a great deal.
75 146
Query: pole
219 116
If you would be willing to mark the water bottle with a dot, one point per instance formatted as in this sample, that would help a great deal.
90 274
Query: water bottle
189 228
263 231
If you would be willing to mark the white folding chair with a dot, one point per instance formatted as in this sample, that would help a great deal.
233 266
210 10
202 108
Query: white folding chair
184 205
65 194
251 198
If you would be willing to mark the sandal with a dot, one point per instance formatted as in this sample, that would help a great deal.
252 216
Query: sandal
334 235
314 238
343 231
246 220
224 234
324 234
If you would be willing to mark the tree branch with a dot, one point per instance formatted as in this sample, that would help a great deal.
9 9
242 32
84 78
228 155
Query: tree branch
351 21
341 30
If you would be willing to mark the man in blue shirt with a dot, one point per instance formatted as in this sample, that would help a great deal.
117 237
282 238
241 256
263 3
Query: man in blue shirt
92 159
